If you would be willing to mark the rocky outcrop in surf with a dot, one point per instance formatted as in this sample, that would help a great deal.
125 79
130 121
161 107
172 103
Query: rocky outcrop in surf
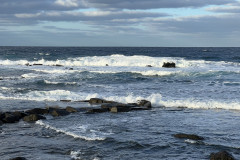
169 65
222 155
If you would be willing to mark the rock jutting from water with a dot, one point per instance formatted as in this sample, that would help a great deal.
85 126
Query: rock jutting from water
169 65
222 155
188 136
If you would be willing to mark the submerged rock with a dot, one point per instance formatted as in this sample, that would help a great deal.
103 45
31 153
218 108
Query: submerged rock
37 111
97 110
223 155
18 158
65 100
188 136
33 118
169 65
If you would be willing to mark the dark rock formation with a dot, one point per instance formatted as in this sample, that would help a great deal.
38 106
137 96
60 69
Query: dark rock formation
71 109
18 158
145 103
65 100
37 64
1 122
97 110
188 136
33 118
117 109
98 101
169 65
148 65
223 155
37 111
8 117
59 112
1 79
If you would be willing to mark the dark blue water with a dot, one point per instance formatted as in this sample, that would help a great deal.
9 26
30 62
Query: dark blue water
205 84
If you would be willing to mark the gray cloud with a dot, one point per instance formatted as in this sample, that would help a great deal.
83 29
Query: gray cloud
152 4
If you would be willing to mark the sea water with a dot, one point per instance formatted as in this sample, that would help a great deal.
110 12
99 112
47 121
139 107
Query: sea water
200 96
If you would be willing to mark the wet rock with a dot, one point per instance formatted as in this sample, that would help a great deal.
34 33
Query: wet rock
18 158
70 68
145 103
120 109
10 118
99 101
58 65
33 118
59 112
71 109
65 100
52 108
188 136
148 65
169 65
19 114
106 64
1 122
37 111
223 155
1 79
97 110
37 64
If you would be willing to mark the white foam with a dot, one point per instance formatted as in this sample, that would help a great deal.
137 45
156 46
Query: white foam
53 82
64 131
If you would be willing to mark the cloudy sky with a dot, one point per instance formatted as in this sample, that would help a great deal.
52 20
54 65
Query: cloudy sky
169 23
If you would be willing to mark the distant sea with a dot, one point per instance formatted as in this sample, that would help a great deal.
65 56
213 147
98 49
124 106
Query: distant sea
200 96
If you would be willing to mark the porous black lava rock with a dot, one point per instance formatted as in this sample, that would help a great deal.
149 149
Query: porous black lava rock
188 136
33 118
71 109
223 155
18 158
37 111
169 65
59 112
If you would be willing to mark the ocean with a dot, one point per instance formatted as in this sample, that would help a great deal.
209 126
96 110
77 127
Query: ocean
200 96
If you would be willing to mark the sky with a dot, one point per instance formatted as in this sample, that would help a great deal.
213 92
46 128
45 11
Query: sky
150 23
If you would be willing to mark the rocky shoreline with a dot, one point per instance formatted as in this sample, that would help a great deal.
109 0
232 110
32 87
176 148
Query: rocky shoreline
97 106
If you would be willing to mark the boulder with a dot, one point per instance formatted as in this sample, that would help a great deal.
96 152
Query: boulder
37 64
33 117
71 109
37 111
169 65
223 155
59 112
18 158
10 118
144 103
1 79
188 136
